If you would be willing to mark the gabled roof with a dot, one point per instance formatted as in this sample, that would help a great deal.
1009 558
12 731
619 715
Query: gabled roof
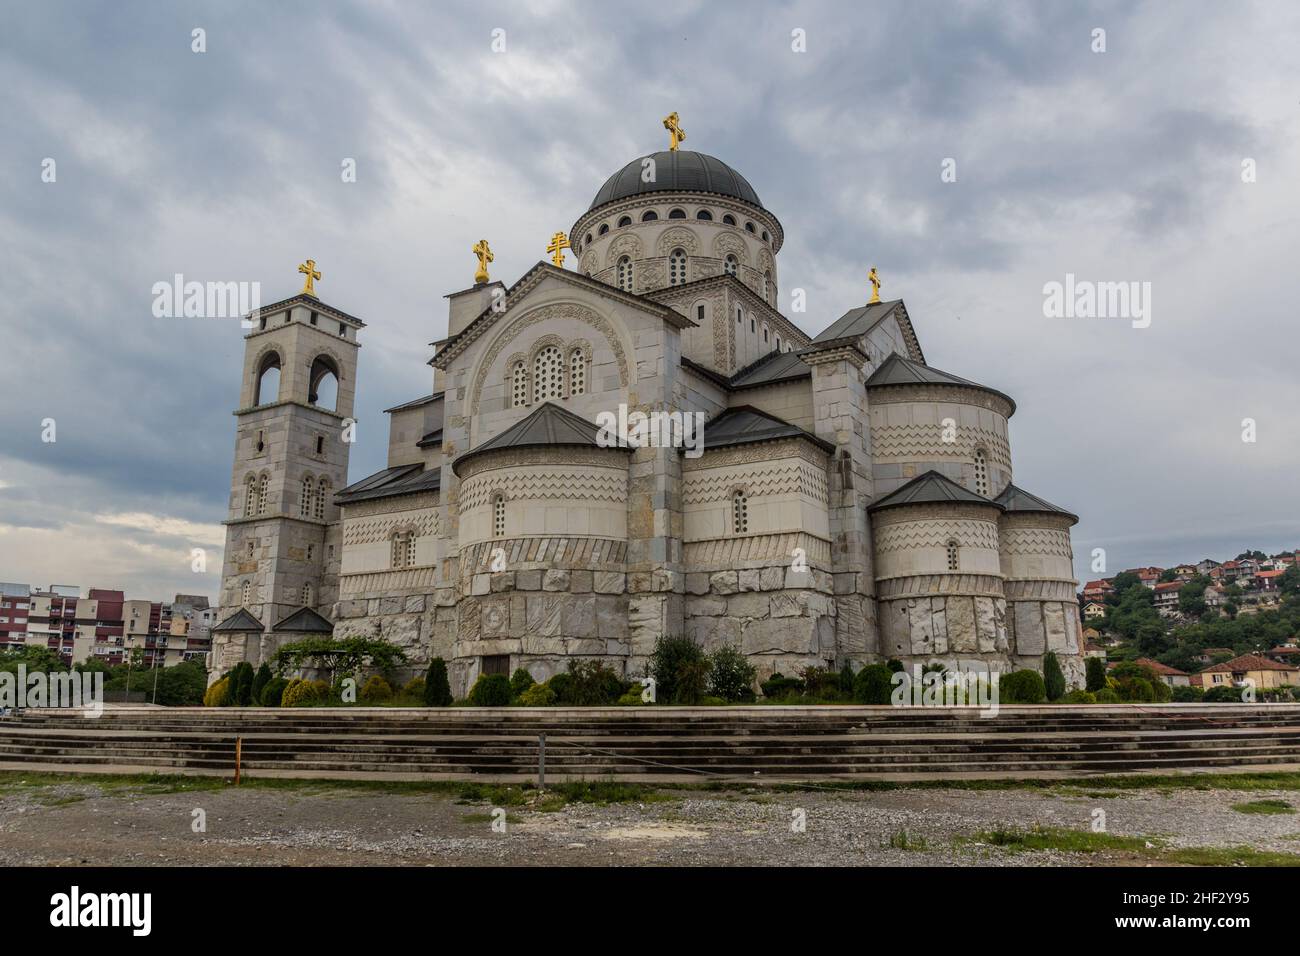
1017 500
857 322
415 403
305 621
241 620
399 480
745 424
932 488
770 369
1162 669
550 426
313 303
897 370
1246 662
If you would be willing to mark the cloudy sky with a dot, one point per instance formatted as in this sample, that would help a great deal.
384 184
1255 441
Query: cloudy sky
1122 165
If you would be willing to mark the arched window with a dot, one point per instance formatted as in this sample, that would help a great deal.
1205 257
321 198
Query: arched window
250 497
306 595
677 214
749 227
268 380
677 267
604 228
764 331
400 550
263 486
518 385
323 388
704 215
322 489
731 265
246 593
767 284
778 343
577 372
739 512
765 236
625 220
305 499
953 555
587 241
740 315
410 549
498 516
981 473
649 216
729 219
548 375
625 274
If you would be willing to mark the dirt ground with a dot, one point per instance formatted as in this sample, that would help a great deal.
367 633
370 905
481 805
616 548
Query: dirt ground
83 823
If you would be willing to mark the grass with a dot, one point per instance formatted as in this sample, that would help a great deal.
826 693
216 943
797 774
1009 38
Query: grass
902 840
1150 849
1264 806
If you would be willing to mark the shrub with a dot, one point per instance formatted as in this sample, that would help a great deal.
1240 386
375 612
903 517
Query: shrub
260 680
710 701
1187 695
632 698
241 686
490 690
591 684
273 692
376 689
779 687
537 695
437 689
666 661
1022 687
846 678
1053 677
731 675
1096 671
561 686
1223 695
874 684
305 693
821 684
520 681
692 681
215 696
1164 693
1107 696
414 688
1079 697
895 665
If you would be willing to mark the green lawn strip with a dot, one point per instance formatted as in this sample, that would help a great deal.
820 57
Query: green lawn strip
1153 849
1264 806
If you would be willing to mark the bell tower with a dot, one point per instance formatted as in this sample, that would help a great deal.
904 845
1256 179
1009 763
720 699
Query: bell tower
294 429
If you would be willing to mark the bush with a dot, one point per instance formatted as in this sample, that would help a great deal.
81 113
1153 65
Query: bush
215 696
1022 687
731 675
376 689
692 681
490 690
538 695
437 689
414 688
273 692
561 686
260 680
666 661
1096 671
1187 695
874 684
846 679
1053 677
241 685
895 665
1107 696
822 685
1164 693
1079 697
1223 694
590 684
305 693
632 698
779 687
520 681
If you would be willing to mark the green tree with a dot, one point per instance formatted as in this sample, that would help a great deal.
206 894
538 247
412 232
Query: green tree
1053 677
437 688
260 680
1096 671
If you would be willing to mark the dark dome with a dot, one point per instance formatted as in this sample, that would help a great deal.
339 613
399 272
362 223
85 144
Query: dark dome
678 171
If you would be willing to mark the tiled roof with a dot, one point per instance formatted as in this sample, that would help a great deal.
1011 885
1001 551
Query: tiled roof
1162 669
1246 662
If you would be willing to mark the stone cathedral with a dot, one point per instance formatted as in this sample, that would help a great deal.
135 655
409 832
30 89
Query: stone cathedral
851 503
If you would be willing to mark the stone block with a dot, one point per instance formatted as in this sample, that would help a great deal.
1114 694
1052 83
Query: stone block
749 605
609 582
494 619
772 579
580 582
920 626
391 605
350 609
480 584
1054 624
503 581
724 582
544 617
555 580
415 604
611 617
714 632
445 597
789 635
528 580
748 579
786 604
578 616
1031 638
697 583
960 611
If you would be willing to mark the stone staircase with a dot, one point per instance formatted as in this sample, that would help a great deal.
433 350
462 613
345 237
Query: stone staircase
666 744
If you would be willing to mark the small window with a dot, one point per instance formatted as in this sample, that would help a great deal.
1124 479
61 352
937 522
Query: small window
496 664
322 489
981 473
731 265
749 227
953 555
649 216
548 375
740 316
250 498
778 343
604 228
704 215
251 546
306 595
311 551
767 284
588 239
263 322
699 313
313 318
246 593
625 274
498 516
320 444
677 214
410 549
261 443
677 267
625 221
263 486
398 550
577 372
729 219
519 385
306 499
739 512
765 333
343 330
753 326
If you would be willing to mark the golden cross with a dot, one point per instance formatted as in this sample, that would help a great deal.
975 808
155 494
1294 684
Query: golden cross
559 242
875 286
308 269
485 256
676 135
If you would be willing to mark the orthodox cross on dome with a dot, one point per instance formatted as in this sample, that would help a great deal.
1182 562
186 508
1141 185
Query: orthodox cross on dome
875 286
485 256
559 242
308 269
676 135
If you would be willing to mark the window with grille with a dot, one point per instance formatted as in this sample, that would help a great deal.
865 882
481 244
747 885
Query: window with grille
577 372
263 486
731 265
519 386
739 512
625 274
246 594
548 375
499 516
322 490
305 500
410 549
250 498
767 285
398 554
306 595
677 267
953 555
981 473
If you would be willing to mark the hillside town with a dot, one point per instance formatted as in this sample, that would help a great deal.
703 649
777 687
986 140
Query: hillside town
1204 628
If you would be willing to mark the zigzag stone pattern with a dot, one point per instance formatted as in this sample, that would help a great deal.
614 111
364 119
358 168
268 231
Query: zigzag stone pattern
604 484
925 443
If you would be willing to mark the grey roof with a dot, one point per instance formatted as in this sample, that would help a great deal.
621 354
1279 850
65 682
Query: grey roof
241 620
773 367
677 171
415 403
932 488
399 480
745 424
550 425
305 621
1019 500
431 439
856 322
897 370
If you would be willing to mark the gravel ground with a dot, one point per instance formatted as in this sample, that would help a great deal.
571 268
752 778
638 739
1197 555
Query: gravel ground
80 823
